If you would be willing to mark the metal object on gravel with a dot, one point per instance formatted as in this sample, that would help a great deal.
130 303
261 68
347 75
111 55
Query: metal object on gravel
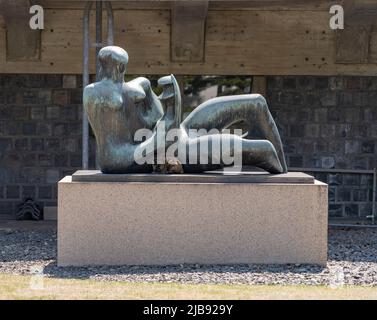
28 210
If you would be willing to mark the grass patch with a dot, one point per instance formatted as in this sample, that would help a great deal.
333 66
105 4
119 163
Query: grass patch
27 287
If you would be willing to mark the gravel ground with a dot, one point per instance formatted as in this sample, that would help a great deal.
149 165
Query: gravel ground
352 260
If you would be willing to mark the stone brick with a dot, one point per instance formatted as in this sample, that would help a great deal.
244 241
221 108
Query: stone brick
368 146
52 176
343 194
336 83
45 192
68 113
345 99
60 129
75 160
330 99
286 98
370 83
29 128
312 100
13 128
305 83
21 144
28 192
372 98
60 97
37 144
44 96
6 207
44 129
5 145
359 131
61 160
351 210
343 130
274 82
352 147
30 97
12 97
369 114
360 99
74 128
289 83
335 210
70 145
360 195
305 147
29 160
320 115
297 100
5 113
20 113
37 113
352 114
52 145
336 147
366 179
335 179
335 114
365 209
328 162
296 161
69 81
13 192
327 131
45 160
360 163
321 83
332 192
52 112
76 97
304 115
312 130
53 81
351 179
353 83
297 131
371 195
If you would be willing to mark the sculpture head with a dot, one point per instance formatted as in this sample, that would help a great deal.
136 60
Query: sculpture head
113 62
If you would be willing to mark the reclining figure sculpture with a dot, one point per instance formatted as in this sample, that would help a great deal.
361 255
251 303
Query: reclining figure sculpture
117 110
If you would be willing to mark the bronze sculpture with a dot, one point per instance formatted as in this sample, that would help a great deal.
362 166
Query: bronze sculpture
117 110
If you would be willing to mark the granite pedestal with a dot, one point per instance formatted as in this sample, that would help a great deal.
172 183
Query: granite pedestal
146 219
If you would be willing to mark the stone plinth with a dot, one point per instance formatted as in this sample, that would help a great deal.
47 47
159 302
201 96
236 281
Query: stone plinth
155 223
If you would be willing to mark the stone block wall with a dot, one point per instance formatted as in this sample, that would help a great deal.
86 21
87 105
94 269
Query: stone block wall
40 136
330 122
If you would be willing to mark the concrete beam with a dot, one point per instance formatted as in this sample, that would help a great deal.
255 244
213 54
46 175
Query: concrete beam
22 43
188 30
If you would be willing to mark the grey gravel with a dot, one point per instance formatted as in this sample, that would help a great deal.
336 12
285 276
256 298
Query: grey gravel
352 261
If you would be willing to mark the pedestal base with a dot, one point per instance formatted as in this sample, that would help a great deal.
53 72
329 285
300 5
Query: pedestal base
160 223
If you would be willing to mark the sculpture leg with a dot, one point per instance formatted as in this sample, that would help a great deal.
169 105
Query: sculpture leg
222 112
259 153
263 126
